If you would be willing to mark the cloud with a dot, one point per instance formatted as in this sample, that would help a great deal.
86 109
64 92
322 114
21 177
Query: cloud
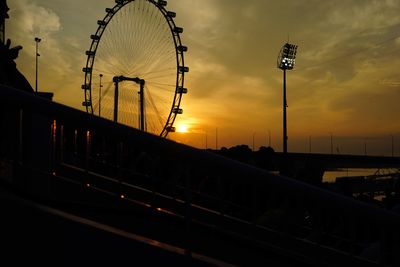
61 56
33 19
397 41
29 20
346 59
372 15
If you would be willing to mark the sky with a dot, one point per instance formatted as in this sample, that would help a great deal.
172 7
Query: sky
345 86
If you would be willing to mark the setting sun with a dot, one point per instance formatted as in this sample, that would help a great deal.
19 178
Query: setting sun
182 128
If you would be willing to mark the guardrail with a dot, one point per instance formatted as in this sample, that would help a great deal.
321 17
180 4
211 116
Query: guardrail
275 212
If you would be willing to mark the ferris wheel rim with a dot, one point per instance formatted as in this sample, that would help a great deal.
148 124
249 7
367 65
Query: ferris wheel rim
180 49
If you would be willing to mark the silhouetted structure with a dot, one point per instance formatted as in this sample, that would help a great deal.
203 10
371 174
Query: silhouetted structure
3 16
66 171
142 184
9 74
286 61
152 54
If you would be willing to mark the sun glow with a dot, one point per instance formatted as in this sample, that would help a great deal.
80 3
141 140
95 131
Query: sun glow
182 128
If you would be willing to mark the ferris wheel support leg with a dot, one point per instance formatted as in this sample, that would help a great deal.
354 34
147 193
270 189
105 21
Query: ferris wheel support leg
116 100
142 115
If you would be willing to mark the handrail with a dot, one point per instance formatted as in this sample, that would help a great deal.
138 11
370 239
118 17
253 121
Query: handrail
40 133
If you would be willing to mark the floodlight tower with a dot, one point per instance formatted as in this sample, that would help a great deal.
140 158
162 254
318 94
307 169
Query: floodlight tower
286 60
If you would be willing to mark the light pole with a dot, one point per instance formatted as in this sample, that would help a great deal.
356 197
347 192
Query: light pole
206 141
331 143
37 40
269 138
253 140
101 76
365 146
216 138
392 145
286 60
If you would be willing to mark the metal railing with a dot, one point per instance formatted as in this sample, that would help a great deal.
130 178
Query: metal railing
275 212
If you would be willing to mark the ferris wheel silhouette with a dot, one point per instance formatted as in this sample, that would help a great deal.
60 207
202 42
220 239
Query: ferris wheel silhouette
135 67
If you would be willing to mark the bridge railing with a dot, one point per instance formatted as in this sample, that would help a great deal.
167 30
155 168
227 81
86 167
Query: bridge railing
277 212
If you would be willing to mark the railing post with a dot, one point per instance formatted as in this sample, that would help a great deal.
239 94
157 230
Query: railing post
75 145
353 234
188 209
396 247
382 248
220 196
119 158
88 142
254 201
53 148
20 136
61 144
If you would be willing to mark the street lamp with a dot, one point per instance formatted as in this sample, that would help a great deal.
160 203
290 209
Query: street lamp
286 61
365 146
269 138
392 145
216 138
206 141
37 40
253 140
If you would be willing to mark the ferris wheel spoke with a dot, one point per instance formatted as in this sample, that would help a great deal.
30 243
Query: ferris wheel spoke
151 101
162 85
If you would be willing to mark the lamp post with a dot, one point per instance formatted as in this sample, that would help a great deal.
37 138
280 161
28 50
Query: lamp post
37 40
286 61
253 140
269 138
365 146
392 144
206 141
216 138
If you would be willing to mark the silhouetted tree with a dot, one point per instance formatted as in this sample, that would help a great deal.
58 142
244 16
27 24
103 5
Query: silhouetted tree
263 158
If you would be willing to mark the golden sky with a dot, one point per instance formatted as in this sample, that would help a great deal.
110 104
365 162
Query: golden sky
346 82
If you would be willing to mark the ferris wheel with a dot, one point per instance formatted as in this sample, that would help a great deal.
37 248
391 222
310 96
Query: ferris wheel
135 69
